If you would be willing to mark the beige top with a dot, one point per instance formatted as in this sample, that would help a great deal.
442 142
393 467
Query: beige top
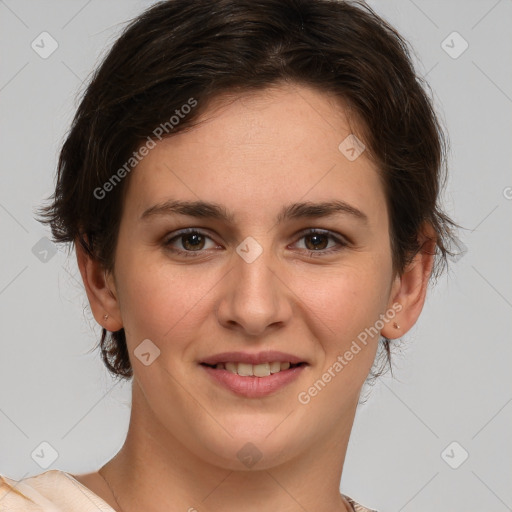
58 491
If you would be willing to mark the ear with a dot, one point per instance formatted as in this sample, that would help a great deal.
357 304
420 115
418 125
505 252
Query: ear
410 289
100 288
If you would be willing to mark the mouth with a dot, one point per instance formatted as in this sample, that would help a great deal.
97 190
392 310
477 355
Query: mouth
255 370
253 375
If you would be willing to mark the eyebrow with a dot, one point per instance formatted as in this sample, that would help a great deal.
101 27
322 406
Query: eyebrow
208 210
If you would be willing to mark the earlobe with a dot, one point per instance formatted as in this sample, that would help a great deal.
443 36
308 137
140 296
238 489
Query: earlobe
394 328
409 290
98 286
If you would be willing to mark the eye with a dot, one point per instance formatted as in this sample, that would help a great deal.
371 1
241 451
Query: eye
317 240
192 242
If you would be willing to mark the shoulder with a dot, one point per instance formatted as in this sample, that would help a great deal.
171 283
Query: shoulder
16 496
51 491
357 507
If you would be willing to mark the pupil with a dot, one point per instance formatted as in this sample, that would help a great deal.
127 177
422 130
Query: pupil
311 237
197 237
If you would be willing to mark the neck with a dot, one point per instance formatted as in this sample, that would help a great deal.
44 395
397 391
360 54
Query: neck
155 471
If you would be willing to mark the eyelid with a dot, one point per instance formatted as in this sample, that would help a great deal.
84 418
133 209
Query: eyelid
327 232
176 235
341 240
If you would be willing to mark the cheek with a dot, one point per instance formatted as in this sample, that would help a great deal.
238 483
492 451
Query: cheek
158 299
344 300
346 306
162 301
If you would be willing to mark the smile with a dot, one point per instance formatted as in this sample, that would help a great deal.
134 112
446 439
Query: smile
247 383
256 370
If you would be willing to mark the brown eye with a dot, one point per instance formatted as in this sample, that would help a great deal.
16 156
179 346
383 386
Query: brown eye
193 241
188 242
317 242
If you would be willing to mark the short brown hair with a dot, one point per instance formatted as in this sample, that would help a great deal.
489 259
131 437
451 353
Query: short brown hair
177 50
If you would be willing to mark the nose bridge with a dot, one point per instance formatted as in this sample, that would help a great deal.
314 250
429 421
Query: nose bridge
255 298
253 268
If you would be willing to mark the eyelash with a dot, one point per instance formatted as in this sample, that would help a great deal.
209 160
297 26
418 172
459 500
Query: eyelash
303 234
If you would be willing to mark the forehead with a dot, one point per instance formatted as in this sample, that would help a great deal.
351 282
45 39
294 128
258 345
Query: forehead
257 151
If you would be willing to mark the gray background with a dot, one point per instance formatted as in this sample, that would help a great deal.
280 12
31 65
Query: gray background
453 374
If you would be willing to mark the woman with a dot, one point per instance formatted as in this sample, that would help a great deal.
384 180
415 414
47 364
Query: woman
252 190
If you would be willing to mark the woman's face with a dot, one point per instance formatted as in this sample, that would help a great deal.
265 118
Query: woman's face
251 283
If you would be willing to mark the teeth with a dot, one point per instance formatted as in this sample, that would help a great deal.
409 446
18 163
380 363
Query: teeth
245 370
257 370
275 367
231 367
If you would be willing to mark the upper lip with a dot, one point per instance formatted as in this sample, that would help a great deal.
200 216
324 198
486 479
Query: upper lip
267 356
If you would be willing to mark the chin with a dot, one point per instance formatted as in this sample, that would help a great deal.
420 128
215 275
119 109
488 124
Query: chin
262 448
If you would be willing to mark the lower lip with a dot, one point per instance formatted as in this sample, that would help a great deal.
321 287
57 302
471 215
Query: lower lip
254 387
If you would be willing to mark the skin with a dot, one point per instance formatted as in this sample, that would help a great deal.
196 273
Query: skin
253 154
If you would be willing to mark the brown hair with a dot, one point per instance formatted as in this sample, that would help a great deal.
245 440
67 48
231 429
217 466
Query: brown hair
177 50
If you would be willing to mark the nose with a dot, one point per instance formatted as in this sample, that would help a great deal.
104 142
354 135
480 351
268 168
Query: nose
255 298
